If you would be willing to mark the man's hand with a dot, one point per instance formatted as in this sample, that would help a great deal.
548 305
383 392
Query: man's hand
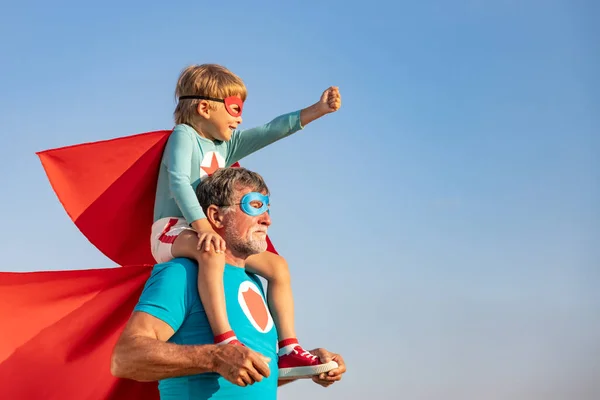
240 365
331 100
328 378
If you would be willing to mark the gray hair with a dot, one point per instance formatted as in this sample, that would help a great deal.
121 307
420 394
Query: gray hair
220 187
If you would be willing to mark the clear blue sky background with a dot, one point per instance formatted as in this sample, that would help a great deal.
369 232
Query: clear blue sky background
443 227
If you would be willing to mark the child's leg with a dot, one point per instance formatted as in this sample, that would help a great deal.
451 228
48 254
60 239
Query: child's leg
211 267
275 270
294 362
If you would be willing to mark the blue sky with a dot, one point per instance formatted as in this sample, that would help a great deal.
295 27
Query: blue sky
442 227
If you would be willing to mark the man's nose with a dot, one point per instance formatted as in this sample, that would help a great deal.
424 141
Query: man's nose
265 218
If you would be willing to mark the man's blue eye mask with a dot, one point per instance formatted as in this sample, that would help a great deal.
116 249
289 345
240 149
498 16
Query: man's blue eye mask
247 207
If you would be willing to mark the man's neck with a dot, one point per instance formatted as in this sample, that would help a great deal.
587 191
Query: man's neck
235 259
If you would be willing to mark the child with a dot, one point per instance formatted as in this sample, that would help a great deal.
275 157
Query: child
209 110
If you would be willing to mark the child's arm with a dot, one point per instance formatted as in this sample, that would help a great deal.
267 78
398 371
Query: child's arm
246 142
329 102
207 234
179 164
179 151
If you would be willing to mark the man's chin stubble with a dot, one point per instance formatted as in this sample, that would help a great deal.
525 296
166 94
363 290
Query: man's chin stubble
245 249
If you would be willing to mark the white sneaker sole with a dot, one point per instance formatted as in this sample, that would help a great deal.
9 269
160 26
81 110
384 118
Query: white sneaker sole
306 372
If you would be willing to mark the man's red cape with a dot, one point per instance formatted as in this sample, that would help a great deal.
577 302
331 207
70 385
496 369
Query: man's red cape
59 328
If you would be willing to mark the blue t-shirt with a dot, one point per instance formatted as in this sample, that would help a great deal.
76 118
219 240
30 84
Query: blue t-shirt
171 295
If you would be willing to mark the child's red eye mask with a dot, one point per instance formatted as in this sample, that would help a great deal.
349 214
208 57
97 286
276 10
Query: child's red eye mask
228 101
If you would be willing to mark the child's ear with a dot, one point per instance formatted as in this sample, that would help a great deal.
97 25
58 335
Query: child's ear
203 109
214 216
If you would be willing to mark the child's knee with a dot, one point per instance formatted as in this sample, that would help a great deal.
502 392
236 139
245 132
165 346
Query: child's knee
280 271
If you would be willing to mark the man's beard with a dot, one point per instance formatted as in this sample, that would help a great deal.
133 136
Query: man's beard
249 245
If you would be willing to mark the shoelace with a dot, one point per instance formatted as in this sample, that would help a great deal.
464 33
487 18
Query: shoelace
306 354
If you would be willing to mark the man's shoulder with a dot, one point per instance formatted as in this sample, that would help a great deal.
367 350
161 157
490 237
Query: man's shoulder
182 268
180 263
169 292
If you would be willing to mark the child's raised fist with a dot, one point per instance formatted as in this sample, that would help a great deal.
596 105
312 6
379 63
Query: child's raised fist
331 100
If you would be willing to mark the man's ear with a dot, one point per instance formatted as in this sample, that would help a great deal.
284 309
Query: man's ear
214 216
203 109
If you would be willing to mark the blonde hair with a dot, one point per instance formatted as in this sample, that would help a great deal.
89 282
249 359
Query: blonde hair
209 80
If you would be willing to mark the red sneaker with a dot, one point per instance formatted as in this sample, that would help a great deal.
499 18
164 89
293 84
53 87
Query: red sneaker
227 338
299 363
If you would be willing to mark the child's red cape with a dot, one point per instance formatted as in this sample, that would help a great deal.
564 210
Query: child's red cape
59 328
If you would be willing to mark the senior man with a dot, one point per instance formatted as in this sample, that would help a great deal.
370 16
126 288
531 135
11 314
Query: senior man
168 337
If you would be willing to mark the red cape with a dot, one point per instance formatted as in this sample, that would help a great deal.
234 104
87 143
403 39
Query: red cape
60 327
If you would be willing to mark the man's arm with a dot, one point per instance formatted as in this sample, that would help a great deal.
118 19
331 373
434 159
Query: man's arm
142 354
329 378
324 379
